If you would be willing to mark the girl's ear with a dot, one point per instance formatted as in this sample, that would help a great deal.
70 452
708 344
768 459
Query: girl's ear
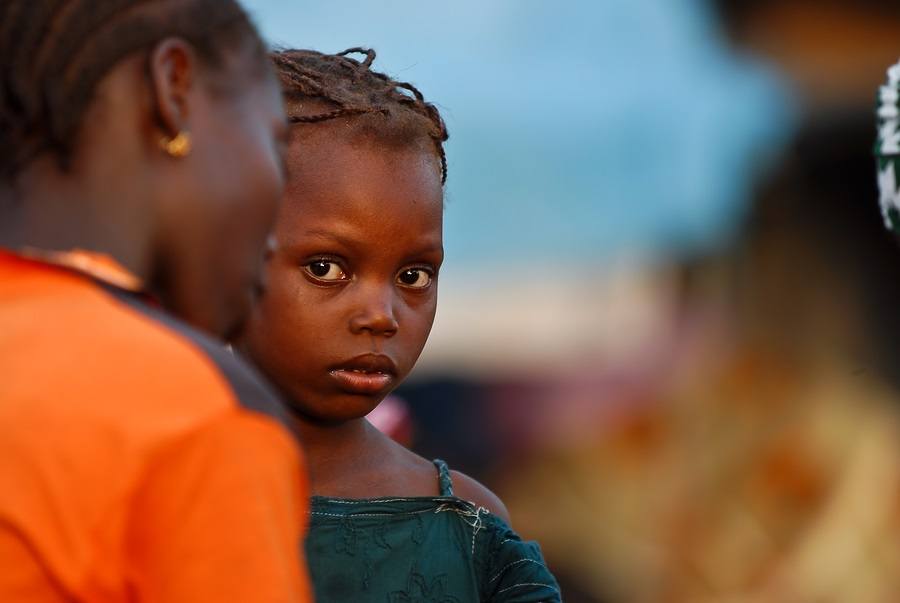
172 70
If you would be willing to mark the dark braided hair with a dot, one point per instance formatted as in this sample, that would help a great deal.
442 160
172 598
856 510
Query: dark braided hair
347 87
54 53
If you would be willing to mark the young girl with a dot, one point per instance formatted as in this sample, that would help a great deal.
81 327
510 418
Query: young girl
348 300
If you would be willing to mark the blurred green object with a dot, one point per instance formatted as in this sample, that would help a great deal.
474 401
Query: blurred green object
887 147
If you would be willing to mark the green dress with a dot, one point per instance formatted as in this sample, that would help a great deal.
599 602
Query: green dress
421 550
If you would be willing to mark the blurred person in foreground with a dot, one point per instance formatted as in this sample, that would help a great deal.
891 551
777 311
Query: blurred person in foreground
141 166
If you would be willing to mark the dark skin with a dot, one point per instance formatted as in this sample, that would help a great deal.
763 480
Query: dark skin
350 292
163 218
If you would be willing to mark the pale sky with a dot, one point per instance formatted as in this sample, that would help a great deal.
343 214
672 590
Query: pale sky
579 129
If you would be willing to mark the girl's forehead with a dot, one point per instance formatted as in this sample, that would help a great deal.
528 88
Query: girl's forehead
364 185
331 157
367 227
362 134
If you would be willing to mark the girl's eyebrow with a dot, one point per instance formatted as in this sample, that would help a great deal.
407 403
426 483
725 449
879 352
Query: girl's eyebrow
345 241
435 247
328 234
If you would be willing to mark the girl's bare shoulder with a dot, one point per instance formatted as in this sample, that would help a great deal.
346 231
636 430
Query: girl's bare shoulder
474 491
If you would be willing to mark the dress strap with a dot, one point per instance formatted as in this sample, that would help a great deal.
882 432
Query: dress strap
444 480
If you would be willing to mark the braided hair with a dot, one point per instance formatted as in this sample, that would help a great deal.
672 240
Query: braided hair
54 53
339 86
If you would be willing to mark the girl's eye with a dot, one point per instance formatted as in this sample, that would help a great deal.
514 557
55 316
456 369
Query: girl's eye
415 278
325 270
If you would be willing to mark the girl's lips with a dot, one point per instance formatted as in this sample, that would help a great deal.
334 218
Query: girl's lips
366 374
359 382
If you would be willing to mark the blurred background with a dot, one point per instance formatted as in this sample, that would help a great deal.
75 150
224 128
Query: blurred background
670 314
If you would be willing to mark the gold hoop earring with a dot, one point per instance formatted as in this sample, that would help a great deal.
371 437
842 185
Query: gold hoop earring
177 147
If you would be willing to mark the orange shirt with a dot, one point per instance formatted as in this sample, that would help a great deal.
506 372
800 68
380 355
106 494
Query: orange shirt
139 460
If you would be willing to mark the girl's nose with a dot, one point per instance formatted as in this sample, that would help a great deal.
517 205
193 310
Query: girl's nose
376 317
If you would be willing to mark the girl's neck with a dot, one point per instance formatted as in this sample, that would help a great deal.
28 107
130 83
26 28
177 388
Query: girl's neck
333 450
355 460
328 439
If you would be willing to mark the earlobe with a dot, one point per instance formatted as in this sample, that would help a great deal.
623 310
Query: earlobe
177 147
172 68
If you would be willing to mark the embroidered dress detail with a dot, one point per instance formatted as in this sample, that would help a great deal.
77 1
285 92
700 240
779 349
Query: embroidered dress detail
421 550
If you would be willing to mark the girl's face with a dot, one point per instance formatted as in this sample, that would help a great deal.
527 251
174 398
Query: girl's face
350 288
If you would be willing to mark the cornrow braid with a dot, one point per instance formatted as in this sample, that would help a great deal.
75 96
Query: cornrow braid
54 53
353 88
311 119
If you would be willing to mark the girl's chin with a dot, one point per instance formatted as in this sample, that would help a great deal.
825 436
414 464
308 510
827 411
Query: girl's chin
335 411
